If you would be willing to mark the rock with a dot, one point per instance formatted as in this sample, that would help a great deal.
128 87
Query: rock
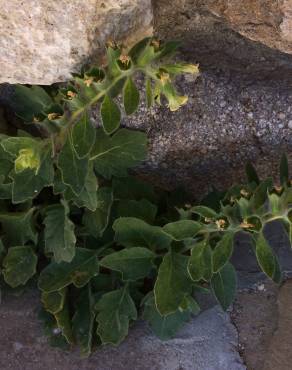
44 41
204 144
263 319
255 316
252 37
279 355
208 342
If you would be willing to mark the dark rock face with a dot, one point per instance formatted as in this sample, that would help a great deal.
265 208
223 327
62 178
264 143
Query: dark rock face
250 37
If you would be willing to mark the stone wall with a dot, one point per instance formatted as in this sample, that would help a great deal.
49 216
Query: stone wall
44 41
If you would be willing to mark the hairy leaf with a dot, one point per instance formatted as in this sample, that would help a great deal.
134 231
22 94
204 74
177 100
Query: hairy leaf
134 263
83 320
59 232
131 97
200 262
29 102
54 301
172 284
83 136
267 259
74 170
165 327
204 212
223 284
18 227
27 184
132 232
79 271
110 114
112 156
115 310
183 229
19 265
97 221
64 324
223 251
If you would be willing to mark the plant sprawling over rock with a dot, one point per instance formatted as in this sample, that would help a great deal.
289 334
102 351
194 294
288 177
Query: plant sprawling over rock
104 245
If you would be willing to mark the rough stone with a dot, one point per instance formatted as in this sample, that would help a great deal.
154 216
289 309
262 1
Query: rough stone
279 355
263 319
251 36
44 41
204 144
208 342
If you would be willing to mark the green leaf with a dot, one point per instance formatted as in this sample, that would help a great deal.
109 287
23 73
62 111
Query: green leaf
59 232
132 232
165 327
168 49
28 184
64 323
142 209
149 94
49 327
138 49
223 284
131 97
96 222
172 284
88 196
113 156
183 229
261 194
284 170
200 262
83 136
18 227
110 115
134 263
83 321
29 102
53 302
116 309
74 170
204 212
79 271
267 259
5 190
223 251
251 173
19 266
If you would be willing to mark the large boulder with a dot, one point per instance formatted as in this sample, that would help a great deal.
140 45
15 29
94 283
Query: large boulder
44 41
253 37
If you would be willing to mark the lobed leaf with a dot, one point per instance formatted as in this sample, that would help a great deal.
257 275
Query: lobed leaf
223 285
79 271
115 310
133 232
19 265
110 114
172 284
113 156
131 97
134 263
200 262
60 239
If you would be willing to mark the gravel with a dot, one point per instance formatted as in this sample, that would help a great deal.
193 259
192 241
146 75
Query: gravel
226 122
